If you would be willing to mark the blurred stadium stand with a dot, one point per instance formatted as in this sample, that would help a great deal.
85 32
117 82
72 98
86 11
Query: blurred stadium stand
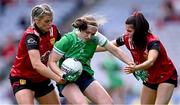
116 12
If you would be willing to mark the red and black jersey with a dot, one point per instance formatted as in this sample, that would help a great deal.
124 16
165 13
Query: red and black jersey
33 38
163 67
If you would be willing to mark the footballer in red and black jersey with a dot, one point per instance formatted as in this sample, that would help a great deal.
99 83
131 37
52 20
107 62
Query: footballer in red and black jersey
163 68
34 38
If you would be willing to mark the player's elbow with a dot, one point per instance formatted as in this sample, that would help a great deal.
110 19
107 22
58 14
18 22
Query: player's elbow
151 64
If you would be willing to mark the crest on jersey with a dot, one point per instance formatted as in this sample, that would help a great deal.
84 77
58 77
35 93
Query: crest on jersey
22 81
52 41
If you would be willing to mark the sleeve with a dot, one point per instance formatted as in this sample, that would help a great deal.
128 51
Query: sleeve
154 45
120 41
102 40
62 46
32 42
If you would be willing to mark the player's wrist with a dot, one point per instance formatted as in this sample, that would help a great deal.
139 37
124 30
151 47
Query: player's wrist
131 63
62 75
61 80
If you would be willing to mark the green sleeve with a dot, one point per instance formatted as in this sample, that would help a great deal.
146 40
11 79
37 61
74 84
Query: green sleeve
102 40
62 45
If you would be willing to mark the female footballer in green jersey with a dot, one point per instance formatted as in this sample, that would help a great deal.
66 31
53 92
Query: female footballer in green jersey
81 44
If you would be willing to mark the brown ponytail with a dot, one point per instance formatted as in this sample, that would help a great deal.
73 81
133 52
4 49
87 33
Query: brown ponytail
80 24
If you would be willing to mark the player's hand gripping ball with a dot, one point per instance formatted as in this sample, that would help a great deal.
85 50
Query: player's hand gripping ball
72 69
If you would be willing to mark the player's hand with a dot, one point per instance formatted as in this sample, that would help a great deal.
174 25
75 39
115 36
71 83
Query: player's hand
131 63
71 77
130 69
61 80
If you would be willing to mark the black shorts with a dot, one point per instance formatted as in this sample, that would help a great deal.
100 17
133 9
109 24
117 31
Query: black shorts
83 82
155 86
40 89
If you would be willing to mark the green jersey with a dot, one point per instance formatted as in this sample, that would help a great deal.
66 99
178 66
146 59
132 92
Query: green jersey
71 46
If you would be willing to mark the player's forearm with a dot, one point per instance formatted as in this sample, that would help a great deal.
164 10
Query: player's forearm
118 53
100 49
152 56
122 56
44 71
53 66
144 66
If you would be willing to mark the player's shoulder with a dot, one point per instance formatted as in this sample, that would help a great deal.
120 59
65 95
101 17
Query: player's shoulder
29 30
151 37
70 35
